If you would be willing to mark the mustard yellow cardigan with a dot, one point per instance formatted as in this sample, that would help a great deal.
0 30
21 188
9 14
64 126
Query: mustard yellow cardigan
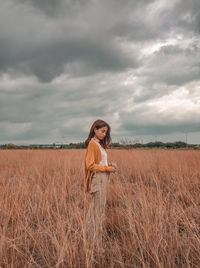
92 160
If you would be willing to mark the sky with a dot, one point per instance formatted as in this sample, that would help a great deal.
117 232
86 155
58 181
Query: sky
132 63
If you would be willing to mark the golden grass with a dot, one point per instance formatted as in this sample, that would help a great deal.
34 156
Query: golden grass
152 210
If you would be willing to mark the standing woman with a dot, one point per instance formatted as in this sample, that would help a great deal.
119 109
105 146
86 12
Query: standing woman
97 171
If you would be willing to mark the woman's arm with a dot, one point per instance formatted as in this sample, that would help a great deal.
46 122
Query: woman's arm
90 163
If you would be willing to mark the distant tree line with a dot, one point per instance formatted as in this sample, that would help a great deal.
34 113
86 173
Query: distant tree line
114 145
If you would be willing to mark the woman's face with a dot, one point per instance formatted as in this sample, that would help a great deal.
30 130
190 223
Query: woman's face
101 132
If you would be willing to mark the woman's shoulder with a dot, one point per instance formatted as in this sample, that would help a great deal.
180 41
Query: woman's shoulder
92 144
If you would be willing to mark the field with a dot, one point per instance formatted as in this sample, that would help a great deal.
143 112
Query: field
152 210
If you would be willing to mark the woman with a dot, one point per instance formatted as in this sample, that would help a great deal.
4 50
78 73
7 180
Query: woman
97 171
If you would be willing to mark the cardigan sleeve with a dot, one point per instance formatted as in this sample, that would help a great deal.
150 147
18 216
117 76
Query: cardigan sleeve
90 161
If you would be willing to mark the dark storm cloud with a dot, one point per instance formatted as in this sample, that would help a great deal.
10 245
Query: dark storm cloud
136 123
133 30
53 8
186 15
49 7
31 110
31 43
154 19
76 40
64 63
157 129
174 65
48 61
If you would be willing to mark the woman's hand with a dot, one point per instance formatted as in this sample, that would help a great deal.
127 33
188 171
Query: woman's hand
110 169
114 165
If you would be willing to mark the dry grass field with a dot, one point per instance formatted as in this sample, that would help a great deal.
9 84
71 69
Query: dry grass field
152 210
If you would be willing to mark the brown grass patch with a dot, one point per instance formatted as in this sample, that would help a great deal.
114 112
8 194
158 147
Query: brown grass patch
152 210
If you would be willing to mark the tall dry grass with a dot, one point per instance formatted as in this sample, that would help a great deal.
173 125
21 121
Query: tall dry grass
152 210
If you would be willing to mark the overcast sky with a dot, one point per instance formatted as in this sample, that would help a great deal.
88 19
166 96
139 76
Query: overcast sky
133 63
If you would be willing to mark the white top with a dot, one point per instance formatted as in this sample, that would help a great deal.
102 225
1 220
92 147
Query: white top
103 152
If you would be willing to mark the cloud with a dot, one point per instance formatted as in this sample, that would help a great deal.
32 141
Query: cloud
173 65
48 48
177 111
63 64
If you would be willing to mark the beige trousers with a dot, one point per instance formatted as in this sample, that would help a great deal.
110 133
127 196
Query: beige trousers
96 213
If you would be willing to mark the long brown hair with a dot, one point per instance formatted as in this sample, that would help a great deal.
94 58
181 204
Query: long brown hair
105 143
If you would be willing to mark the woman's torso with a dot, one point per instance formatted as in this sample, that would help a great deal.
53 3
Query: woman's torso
100 179
103 153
